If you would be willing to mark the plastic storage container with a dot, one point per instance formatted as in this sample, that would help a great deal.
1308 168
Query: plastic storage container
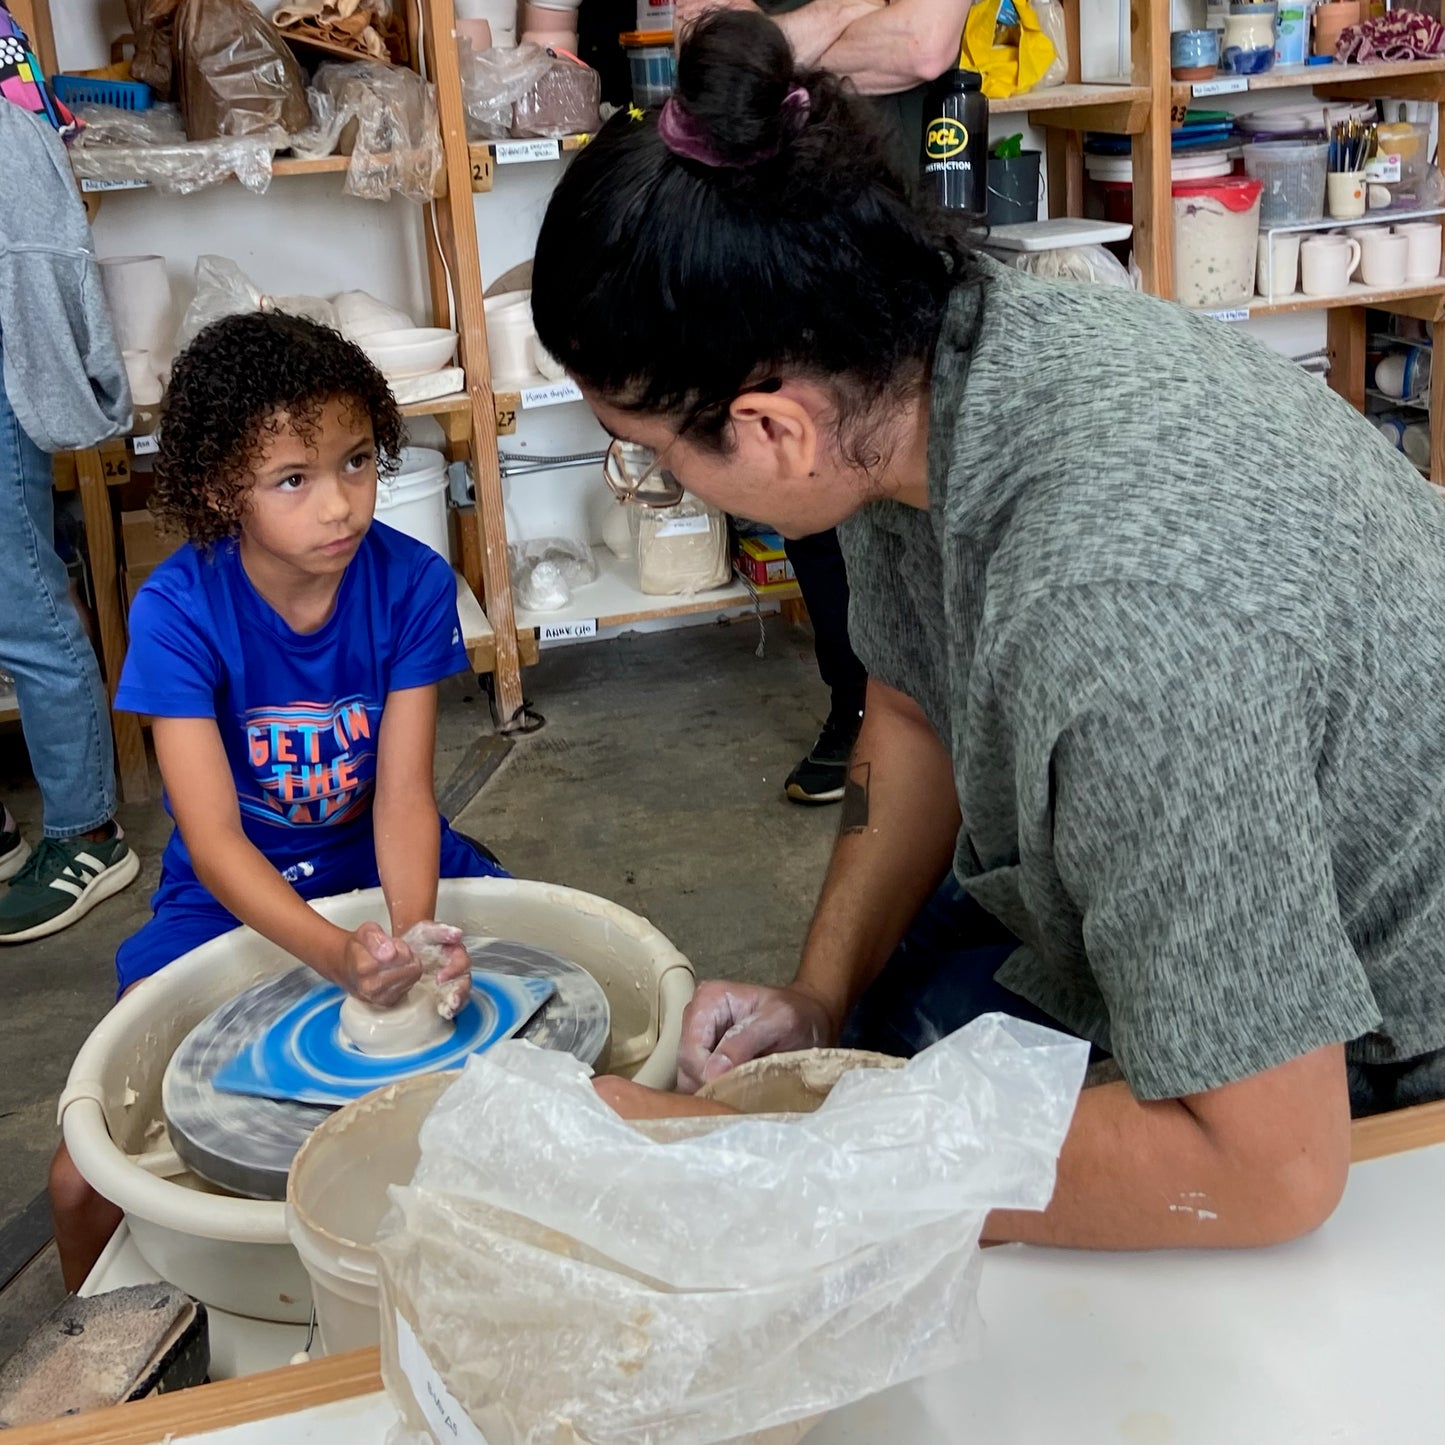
654 66
1115 176
1216 240
414 499
1293 176
73 90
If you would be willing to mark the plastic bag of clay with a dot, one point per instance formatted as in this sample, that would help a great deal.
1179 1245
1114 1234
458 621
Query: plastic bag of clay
682 549
563 102
237 76
223 289
388 125
492 83
152 23
656 1285
547 570
1075 263
1050 15
151 146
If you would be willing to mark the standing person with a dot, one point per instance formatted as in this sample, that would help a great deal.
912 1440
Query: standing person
1171 720
62 387
887 52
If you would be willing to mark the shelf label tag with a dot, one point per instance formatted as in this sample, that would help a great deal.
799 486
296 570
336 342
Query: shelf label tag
683 526
1230 85
554 393
90 186
443 1411
1234 313
1384 169
512 152
558 631
146 446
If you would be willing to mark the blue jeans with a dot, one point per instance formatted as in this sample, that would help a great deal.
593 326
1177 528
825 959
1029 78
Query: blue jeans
64 712
941 977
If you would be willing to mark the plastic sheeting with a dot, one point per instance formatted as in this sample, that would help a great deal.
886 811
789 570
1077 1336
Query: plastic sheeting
151 146
564 1276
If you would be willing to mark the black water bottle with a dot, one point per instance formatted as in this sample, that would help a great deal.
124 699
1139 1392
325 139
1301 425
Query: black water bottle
955 142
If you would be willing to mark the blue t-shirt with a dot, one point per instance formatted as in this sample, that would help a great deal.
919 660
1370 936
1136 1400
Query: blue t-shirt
298 713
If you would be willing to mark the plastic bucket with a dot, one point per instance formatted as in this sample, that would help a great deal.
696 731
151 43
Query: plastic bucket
1216 241
1293 176
653 62
1013 188
414 500
336 1198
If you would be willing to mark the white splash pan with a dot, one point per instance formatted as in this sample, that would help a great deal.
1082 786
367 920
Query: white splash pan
234 1253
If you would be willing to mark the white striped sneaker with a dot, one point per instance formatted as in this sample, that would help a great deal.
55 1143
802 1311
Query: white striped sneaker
62 880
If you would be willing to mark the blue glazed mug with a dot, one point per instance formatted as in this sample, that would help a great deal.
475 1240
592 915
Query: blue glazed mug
1193 52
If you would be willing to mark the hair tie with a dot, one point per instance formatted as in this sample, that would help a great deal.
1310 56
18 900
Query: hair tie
684 136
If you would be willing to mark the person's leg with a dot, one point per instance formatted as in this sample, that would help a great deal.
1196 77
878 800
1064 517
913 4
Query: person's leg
941 977
823 580
82 1219
63 710
463 856
14 850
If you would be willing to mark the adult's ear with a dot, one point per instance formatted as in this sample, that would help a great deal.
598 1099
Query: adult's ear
779 428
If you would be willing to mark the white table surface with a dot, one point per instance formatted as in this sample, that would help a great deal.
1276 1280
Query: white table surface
1338 1339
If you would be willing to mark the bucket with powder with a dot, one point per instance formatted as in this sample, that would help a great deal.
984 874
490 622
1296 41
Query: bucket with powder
336 1197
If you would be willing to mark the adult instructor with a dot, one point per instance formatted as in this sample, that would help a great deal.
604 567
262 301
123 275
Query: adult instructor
1166 716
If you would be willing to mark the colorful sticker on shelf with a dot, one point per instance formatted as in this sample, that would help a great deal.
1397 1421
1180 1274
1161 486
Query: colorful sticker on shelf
1233 313
553 394
444 1413
513 152
1385 169
1229 85
684 526
563 631
146 446
89 187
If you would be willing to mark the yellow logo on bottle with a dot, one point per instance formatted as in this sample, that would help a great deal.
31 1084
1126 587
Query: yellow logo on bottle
946 137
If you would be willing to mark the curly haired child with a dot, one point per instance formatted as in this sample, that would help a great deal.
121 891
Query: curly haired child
289 657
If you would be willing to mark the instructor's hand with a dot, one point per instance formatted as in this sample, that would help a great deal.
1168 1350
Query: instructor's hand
726 1024
377 968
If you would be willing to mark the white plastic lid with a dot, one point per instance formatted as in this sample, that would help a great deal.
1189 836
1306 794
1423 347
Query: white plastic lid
1189 166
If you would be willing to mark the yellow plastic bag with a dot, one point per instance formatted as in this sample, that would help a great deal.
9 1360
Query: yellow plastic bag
1004 43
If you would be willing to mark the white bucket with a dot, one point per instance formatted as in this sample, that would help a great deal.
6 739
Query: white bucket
336 1198
414 499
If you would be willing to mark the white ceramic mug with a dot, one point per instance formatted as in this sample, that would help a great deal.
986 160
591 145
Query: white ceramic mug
140 371
1382 258
1423 262
510 335
1284 279
1345 195
1327 263
138 289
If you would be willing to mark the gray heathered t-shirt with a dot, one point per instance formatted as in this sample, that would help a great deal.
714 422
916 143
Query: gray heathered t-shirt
1178 613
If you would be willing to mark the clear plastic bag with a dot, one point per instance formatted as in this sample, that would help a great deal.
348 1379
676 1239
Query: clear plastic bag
546 571
493 81
236 75
223 289
682 549
564 102
151 146
386 116
1050 15
152 24
1075 263
567 1276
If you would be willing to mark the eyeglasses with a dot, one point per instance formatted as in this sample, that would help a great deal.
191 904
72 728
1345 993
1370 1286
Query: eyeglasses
637 474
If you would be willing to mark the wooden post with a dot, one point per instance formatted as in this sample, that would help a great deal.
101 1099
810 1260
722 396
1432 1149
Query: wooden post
132 771
1153 203
457 225
1345 332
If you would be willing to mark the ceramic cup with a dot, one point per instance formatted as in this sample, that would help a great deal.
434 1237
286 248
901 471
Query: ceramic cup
1285 278
140 371
1194 54
138 289
1423 262
1383 257
1327 263
1345 195
510 334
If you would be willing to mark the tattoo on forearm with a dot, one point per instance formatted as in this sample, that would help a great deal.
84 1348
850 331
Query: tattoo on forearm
855 799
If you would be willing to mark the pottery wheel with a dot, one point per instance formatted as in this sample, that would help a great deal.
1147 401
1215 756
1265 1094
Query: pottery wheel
245 1144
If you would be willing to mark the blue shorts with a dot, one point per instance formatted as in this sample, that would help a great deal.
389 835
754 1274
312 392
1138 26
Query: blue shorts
186 916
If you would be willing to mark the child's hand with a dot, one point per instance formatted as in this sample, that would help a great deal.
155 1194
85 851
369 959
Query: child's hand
444 960
377 968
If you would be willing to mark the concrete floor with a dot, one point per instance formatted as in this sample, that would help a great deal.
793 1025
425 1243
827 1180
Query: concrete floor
656 782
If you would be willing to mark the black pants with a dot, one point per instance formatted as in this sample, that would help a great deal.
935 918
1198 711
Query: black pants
818 566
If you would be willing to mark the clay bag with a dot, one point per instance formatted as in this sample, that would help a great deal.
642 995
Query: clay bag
237 75
152 23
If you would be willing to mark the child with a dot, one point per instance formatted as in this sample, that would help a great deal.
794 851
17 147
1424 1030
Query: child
289 657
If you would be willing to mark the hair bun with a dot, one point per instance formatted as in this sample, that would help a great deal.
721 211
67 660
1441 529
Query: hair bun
734 74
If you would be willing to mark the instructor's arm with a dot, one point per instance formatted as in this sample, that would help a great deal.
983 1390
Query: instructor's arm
899 827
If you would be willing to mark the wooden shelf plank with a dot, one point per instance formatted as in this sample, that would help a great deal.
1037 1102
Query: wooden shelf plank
482 157
1357 295
1391 79
325 165
1114 109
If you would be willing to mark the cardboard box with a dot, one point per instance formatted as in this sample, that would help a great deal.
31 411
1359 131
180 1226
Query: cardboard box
133 578
143 543
762 560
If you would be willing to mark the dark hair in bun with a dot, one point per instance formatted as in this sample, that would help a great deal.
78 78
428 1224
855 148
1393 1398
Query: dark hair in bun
775 236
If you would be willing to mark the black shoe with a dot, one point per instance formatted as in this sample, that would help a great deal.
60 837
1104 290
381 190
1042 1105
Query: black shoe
13 848
822 776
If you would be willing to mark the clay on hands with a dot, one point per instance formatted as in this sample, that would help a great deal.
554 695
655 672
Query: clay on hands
637 1101
435 945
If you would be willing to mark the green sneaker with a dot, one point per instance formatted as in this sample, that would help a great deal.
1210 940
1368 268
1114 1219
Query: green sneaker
14 850
61 882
